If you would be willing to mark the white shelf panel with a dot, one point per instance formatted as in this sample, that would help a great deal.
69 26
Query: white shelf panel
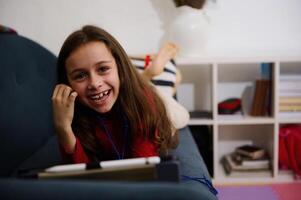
241 59
243 181
243 119
196 121
243 177
285 176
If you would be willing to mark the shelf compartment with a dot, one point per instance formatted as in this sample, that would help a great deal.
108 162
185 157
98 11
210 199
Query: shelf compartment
195 90
232 136
289 92
203 136
241 83
287 132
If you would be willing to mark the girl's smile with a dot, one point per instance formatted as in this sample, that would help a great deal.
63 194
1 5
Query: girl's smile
100 96
92 72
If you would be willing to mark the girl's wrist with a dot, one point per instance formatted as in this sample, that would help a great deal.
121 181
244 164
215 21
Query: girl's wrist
66 135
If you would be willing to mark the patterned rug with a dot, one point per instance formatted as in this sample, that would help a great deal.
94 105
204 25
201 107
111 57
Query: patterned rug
288 191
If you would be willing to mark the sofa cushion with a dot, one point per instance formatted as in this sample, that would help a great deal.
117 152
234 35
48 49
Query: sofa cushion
27 79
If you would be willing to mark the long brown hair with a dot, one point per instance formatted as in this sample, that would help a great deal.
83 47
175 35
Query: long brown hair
135 96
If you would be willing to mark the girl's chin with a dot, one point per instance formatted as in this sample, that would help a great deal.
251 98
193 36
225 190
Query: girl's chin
103 110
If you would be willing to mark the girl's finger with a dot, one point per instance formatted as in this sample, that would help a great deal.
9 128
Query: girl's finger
72 97
65 94
54 94
60 91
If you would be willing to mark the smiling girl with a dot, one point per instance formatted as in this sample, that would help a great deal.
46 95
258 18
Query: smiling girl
103 109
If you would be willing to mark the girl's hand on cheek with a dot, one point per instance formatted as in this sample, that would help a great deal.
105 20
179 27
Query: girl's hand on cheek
63 99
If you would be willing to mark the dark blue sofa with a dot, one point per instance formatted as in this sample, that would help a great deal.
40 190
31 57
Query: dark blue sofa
28 141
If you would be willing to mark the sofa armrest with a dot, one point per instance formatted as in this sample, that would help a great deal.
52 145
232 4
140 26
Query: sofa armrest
191 161
193 171
65 189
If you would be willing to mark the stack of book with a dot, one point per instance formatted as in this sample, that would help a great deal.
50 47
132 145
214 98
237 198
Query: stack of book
246 159
290 93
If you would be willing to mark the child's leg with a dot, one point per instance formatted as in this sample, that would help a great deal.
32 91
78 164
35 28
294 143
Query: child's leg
167 52
178 80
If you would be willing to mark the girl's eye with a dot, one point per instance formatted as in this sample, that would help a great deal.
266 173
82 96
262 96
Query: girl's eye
103 69
80 76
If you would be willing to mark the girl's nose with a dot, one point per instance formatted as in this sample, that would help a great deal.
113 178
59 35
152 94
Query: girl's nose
95 82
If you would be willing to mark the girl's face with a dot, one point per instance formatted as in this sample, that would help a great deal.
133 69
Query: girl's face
92 72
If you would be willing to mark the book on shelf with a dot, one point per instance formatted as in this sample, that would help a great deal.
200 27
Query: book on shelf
232 169
202 114
257 98
289 103
290 77
246 100
295 115
244 173
290 100
246 161
290 107
266 70
251 151
261 104
289 94
251 174
233 165
290 85
267 104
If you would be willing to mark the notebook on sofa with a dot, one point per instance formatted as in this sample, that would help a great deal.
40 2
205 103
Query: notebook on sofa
134 169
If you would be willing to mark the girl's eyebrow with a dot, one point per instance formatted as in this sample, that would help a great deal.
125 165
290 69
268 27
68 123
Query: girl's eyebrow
103 62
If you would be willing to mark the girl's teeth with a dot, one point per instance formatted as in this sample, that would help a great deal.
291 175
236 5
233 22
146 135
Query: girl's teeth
97 97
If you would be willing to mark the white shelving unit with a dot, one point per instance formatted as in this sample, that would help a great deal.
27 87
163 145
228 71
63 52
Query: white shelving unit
215 79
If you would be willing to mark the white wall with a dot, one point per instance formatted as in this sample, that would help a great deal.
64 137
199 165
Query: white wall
239 27
248 27
134 23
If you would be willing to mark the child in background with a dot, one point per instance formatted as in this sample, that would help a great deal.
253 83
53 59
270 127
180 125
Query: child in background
161 70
